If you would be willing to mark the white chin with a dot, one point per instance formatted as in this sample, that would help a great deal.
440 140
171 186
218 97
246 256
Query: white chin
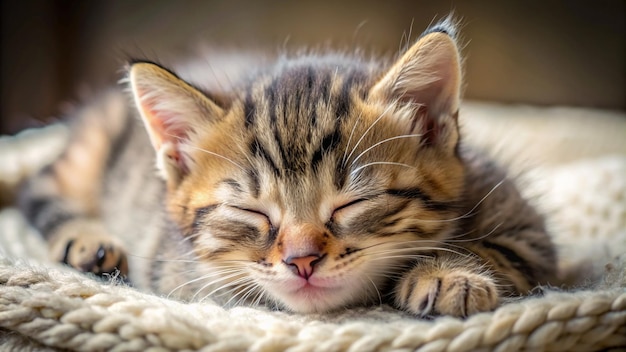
314 299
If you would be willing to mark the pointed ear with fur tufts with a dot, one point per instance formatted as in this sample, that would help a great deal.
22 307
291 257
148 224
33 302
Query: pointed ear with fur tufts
427 76
172 111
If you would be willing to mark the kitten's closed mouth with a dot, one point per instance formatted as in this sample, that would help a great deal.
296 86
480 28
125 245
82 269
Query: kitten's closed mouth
311 288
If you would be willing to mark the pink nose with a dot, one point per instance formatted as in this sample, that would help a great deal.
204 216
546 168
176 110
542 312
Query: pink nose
303 266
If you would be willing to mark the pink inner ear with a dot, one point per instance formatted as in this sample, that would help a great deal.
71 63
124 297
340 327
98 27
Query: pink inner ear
429 126
157 129
166 127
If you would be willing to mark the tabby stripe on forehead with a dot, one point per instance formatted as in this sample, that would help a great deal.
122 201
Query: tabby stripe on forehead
249 110
273 108
416 193
310 82
343 102
281 148
324 85
258 150
329 143
313 108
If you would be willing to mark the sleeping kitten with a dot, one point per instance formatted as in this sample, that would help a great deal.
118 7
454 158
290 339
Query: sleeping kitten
319 182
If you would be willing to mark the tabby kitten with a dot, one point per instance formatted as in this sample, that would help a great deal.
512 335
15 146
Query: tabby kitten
320 182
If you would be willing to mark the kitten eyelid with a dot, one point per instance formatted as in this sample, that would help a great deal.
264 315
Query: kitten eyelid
254 211
354 202
349 204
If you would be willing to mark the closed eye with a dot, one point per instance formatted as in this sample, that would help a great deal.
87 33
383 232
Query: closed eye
349 204
254 212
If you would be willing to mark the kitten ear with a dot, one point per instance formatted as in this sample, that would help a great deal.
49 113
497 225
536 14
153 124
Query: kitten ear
172 111
429 76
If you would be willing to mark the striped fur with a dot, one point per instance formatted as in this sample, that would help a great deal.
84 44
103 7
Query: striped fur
320 182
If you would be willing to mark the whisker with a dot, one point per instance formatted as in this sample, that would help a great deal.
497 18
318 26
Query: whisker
380 298
226 290
408 256
470 212
217 155
160 260
213 282
246 291
203 277
234 283
241 285
382 142
345 151
477 238
428 248
380 163
260 296
369 129
189 145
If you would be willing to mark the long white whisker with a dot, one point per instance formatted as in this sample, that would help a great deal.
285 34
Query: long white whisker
217 155
406 256
227 288
235 283
189 145
203 277
159 260
242 284
381 142
380 163
468 213
437 249
345 151
474 239
213 282
248 290
380 298
369 129
259 297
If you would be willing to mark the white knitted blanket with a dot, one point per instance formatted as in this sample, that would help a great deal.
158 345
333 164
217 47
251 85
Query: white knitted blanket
580 183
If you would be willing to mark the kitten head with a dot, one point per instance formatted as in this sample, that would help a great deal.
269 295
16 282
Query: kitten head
318 180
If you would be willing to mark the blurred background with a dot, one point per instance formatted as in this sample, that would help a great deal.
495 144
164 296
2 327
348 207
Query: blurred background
530 52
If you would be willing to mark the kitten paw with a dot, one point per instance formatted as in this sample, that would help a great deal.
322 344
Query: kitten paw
90 250
455 293
95 256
